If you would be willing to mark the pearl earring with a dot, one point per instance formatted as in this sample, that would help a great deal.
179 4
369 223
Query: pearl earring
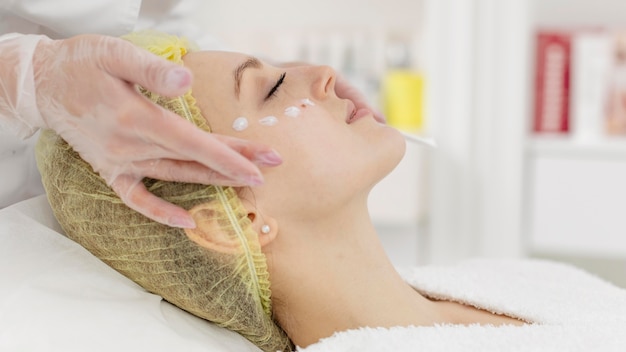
265 229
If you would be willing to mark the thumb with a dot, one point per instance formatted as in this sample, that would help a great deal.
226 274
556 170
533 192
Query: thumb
136 65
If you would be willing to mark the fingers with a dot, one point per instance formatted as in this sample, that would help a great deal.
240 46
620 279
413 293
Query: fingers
133 64
190 143
165 135
133 192
183 171
135 195
259 154
168 143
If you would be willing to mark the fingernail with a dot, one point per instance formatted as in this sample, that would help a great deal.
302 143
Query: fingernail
271 158
177 78
253 180
182 222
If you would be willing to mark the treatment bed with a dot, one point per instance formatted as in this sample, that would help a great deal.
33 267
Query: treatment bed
56 296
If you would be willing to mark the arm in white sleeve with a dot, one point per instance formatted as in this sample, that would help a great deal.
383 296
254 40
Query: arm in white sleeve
178 17
67 18
18 102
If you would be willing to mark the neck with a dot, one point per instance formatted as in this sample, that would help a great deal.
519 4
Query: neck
334 275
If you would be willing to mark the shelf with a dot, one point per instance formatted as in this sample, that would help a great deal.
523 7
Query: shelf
568 147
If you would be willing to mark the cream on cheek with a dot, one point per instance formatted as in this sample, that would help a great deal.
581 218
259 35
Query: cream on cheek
295 111
292 111
241 123
269 121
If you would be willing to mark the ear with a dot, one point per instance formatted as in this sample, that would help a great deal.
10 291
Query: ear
208 232
258 220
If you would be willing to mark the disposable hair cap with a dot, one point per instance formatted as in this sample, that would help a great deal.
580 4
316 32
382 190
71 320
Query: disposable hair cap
230 288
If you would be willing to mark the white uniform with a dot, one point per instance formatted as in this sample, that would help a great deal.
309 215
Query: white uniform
19 178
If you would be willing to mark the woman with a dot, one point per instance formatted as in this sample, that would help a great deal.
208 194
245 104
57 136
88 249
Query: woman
321 237
306 230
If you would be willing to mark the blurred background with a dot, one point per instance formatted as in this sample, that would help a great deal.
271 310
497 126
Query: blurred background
522 96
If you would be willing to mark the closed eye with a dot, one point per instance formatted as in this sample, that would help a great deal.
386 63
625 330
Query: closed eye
274 89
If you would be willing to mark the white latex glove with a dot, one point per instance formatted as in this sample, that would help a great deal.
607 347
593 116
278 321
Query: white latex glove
85 90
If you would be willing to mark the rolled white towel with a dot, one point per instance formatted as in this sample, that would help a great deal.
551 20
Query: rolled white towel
570 310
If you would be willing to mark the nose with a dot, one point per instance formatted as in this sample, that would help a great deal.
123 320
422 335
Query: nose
324 78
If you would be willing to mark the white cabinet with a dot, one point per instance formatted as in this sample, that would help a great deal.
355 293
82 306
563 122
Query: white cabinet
576 201
575 190
400 198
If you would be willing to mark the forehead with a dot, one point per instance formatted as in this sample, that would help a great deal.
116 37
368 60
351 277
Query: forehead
214 83
213 64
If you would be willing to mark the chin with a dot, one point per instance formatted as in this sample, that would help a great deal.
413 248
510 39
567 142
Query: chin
389 148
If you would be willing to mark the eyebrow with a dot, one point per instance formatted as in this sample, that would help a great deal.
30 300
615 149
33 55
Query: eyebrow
238 73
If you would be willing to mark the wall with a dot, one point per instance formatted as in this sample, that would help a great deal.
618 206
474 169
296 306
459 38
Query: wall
244 15
578 12
282 29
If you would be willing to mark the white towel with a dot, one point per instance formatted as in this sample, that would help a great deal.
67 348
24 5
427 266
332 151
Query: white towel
571 310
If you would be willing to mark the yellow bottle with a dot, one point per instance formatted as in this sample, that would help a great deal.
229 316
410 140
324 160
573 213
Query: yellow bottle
403 99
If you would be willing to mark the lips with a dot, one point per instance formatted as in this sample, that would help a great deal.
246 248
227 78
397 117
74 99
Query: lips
351 117
360 113
350 111
354 114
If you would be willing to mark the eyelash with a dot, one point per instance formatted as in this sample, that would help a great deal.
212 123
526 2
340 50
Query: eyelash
274 89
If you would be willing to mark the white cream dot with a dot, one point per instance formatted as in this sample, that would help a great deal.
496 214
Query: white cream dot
240 124
292 111
268 121
307 101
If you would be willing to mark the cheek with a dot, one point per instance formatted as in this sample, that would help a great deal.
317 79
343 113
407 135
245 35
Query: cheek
313 134
317 155
314 143
326 162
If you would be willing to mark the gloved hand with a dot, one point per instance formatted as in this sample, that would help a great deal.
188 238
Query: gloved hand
85 90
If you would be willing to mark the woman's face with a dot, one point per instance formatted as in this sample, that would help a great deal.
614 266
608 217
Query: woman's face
331 153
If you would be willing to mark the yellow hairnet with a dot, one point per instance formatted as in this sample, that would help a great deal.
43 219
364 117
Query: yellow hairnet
230 288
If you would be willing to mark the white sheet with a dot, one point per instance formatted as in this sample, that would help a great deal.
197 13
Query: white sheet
56 296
